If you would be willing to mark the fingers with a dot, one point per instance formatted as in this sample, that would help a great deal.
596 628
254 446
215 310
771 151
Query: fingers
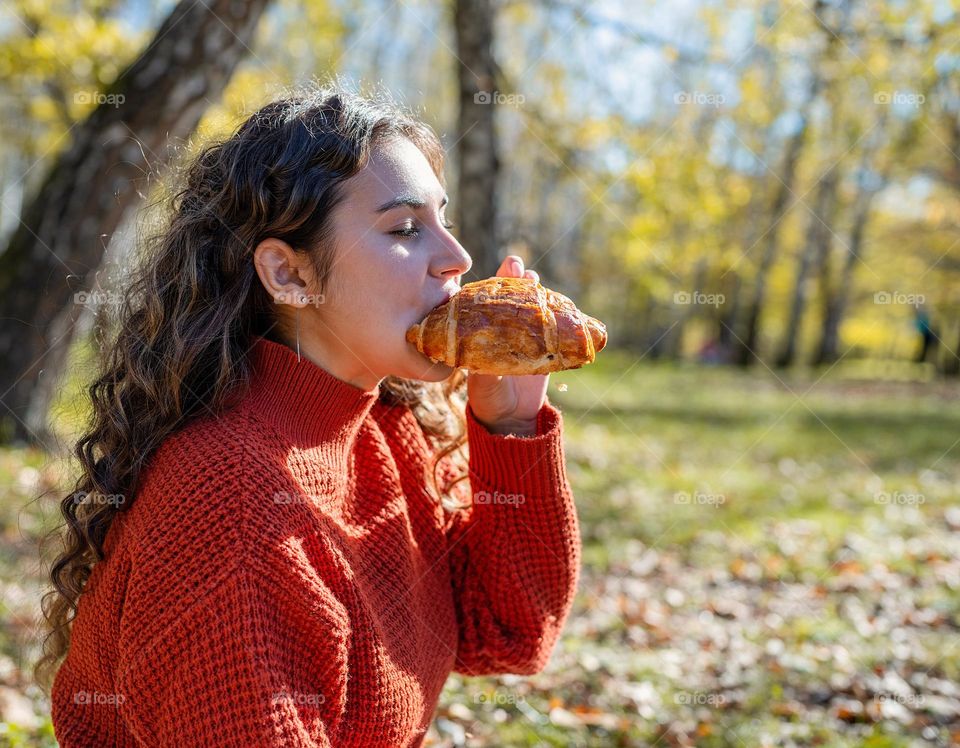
512 267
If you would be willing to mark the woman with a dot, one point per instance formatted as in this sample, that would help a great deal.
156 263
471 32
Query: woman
265 553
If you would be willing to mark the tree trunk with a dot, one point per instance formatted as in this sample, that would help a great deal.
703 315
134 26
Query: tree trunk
835 300
727 319
476 137
816 252
950 359
672 343
746 350
58 246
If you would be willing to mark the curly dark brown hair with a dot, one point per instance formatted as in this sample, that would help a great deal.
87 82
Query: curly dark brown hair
194 303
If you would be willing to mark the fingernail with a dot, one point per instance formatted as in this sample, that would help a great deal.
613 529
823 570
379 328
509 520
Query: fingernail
517 267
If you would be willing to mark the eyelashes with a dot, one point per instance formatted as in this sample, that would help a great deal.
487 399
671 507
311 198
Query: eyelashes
406 232
413 231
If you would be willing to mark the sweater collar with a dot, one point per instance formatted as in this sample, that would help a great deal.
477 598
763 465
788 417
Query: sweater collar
302 400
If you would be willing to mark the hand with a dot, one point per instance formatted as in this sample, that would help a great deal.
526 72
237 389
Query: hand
508 404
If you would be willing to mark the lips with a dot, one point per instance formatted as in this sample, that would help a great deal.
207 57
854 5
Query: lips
447 295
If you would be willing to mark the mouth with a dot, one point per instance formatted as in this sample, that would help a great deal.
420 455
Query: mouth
447 295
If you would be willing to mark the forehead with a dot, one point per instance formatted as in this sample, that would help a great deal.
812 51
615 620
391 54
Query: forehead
396 166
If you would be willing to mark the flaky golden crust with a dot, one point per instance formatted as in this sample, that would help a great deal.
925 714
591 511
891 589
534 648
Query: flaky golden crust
509 326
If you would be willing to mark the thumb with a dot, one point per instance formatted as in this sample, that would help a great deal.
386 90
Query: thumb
483 384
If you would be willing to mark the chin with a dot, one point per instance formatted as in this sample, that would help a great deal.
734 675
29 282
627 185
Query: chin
424 369
437 373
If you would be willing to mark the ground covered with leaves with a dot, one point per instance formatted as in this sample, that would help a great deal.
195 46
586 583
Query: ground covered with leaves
770 559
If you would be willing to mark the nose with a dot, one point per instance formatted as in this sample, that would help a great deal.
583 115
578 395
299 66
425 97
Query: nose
450 258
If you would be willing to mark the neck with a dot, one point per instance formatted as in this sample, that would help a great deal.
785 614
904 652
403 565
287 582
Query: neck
304 401
334 358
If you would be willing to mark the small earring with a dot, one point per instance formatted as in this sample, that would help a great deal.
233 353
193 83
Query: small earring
298 335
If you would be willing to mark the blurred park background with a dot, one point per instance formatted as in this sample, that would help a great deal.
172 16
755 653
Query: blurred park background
762 201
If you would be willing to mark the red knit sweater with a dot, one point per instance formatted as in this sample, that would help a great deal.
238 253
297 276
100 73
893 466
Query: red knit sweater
284 578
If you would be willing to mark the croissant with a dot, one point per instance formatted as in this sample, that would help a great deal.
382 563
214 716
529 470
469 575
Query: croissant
509 326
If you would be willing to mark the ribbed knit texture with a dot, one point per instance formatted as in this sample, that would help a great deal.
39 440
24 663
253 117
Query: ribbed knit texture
284 578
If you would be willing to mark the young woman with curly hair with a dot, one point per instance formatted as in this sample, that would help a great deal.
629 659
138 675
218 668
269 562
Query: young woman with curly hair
272 541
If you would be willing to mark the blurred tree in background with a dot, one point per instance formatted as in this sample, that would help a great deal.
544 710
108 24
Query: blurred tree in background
99 175
739 182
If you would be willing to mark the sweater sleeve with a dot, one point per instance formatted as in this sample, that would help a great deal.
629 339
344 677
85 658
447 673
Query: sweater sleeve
255 660
514 554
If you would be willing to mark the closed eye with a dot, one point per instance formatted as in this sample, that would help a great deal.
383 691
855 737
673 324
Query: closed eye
411 231
408 232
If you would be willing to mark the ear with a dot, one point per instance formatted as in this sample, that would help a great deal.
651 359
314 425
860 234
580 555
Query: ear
283 271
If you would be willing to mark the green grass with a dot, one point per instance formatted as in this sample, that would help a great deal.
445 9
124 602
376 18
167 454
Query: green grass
803 488
640 434
814 528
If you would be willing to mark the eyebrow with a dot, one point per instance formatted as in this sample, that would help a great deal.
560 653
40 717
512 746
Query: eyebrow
410 201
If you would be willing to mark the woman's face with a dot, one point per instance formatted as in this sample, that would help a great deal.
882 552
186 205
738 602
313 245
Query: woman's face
393 261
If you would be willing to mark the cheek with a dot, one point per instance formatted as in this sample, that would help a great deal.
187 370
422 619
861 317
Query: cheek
375 314
380 285
400 285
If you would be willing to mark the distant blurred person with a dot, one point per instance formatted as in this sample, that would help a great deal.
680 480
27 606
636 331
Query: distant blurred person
928 335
